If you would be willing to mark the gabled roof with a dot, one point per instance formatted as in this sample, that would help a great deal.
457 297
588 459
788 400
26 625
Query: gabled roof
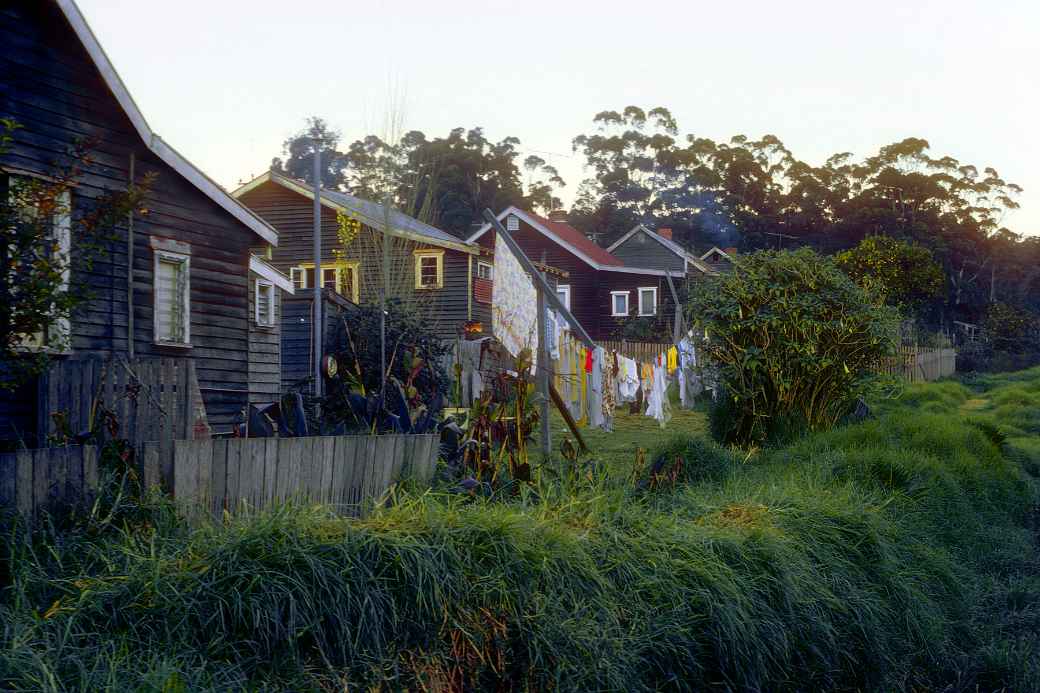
366 211
155 144
269 272
718 250
564 235
667 243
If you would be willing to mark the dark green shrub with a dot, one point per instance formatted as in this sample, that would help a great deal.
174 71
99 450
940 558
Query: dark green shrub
796 342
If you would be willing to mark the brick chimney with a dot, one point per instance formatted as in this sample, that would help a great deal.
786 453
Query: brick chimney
558 215
665 233
730 251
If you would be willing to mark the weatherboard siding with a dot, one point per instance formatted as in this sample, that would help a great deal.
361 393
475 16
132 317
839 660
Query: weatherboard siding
292 215
640 250
49 85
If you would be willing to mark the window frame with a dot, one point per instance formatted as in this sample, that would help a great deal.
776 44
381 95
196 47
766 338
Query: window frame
438 256
302 268
267 287
163 252
566 289
512 223
481 264
613 305
641 290
61 232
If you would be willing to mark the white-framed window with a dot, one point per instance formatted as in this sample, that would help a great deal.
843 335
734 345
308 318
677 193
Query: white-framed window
485 270
512 223
619 303
563 292
172 292
429 269
56 335
648 300
298 277
264 306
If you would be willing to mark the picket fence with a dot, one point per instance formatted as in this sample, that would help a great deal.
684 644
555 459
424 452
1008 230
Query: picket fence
642 352
919 365
339 471
48 480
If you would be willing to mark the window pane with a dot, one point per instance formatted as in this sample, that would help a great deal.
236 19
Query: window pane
428 271
648 304
297 277
328 278
346 277
168 301
310 277
620 304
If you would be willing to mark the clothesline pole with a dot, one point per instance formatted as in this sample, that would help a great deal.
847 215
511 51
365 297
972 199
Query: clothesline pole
543 373
539 281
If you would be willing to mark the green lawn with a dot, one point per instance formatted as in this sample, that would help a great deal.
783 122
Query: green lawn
617 449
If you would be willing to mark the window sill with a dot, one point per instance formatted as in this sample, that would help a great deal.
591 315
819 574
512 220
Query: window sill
173 345
428 288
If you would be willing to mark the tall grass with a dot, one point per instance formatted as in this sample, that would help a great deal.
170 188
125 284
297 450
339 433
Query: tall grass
894 554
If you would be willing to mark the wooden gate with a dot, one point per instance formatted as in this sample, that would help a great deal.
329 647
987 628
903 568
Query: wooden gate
144 400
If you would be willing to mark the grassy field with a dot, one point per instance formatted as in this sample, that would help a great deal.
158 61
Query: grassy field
898 554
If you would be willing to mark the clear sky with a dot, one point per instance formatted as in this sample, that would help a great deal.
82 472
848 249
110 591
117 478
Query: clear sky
225 81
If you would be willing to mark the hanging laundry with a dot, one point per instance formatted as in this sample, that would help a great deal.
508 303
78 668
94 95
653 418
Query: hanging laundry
609 390
552 342
628 380
514 304
596 388
658 406
588 360
673 360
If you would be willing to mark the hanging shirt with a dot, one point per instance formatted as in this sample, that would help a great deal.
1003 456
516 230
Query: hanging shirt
673 360
588 360
596 388
609 385
628 379
657 405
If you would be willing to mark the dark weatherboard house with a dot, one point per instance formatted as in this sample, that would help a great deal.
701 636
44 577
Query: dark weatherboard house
191 287
604 290
439 273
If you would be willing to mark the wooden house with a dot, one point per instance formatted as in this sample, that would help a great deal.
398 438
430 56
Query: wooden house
444 277
604 290
719 259
178 281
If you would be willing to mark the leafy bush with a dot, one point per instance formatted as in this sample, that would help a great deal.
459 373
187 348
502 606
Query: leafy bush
899 273
796 341
415 359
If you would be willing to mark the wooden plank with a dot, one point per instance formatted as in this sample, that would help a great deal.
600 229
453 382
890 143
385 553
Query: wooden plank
41 479
204 477
219 479
53 398
337 473
24 484
169 421
90 476
296 451
74 492
270 472
328 469
234 474
184 375
185 471
426 458
382 462
8 480
366 456
283 475
150 475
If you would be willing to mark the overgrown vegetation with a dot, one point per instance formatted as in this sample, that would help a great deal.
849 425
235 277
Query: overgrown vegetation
893 554
796 342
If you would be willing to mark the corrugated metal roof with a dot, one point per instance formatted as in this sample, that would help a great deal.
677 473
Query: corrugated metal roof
373 214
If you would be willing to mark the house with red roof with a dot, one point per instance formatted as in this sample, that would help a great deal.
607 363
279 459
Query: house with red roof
603 290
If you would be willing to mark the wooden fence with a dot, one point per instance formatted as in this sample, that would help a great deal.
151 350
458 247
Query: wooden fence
643 352
52 480
919 365
341 471
151 400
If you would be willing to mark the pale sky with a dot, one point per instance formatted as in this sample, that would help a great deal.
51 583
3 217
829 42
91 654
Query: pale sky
226 81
